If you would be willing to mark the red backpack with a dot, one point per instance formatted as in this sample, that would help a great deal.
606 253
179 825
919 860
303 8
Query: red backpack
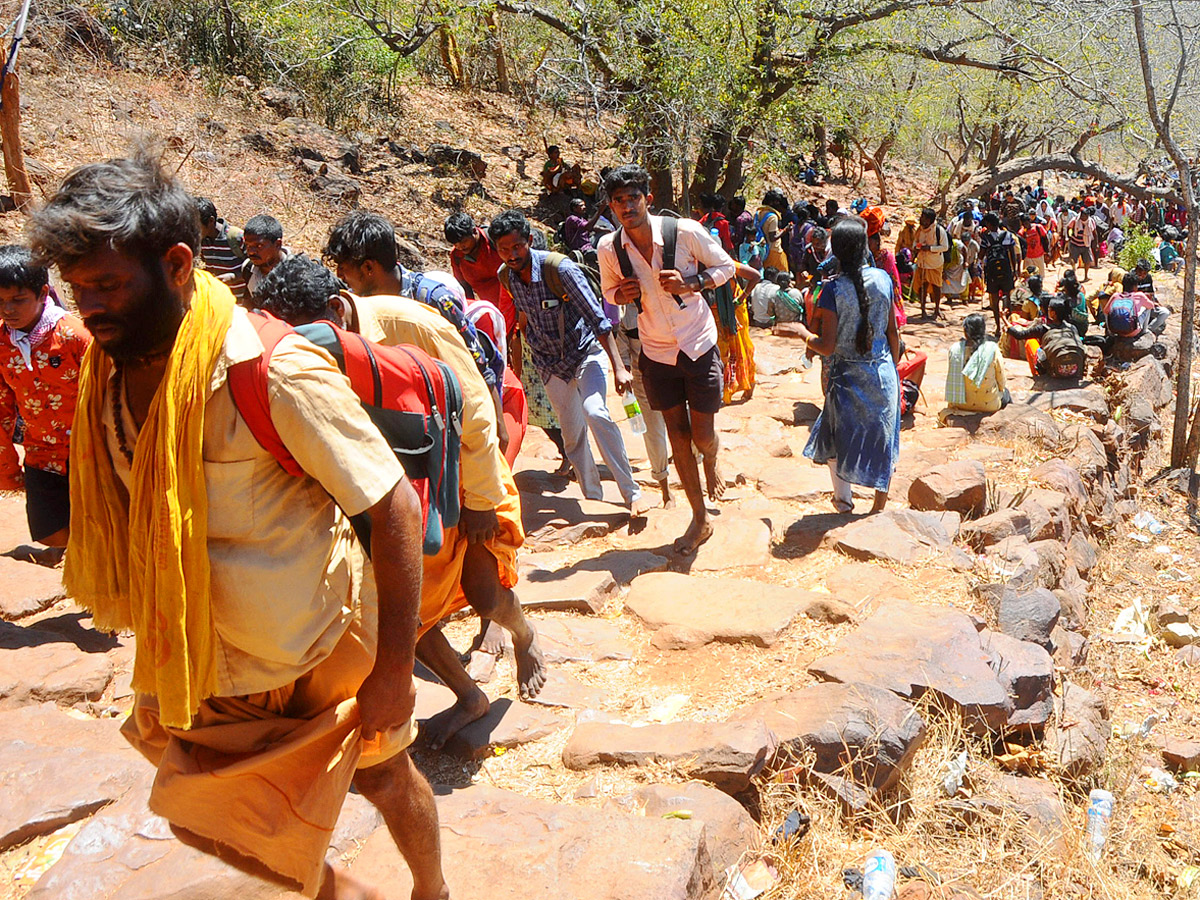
413 399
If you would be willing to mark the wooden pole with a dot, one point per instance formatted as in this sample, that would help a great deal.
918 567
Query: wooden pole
10 134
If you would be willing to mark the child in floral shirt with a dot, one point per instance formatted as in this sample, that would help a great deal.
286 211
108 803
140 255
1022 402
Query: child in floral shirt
41 346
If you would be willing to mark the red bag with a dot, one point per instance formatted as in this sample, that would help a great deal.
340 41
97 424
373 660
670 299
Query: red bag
413 399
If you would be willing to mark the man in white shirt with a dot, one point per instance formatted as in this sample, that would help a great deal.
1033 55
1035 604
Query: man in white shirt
932 245
679 360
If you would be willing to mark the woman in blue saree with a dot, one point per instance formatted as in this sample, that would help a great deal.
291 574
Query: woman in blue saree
858 431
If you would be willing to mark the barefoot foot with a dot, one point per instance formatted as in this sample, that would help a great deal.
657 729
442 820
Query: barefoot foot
713 478
531 667
698 532
491 639
450 721
339 884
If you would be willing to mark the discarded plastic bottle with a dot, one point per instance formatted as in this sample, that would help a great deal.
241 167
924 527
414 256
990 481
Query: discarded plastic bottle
879 876
1099 817
634 412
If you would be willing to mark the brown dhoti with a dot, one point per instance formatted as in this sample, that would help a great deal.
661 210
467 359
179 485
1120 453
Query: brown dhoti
265 774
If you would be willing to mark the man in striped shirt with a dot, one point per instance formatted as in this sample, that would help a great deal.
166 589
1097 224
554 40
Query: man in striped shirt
220 243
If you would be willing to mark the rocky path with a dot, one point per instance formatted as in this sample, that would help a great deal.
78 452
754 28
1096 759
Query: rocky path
802 660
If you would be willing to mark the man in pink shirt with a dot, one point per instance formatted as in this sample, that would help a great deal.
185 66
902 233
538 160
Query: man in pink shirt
679 361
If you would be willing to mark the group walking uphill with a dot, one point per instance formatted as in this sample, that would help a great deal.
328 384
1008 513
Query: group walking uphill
283 473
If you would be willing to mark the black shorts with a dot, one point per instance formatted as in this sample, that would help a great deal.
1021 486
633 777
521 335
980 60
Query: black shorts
696 382
47 502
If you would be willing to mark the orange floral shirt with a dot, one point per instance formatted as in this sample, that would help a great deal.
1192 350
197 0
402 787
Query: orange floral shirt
43 396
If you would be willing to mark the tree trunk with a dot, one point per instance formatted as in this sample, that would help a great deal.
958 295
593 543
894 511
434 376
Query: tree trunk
713 150
450 56
503 85
1183 375
821 142
734 178
10 133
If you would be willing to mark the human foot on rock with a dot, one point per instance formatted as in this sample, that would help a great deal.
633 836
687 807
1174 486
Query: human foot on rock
339 884
713 478
697 533
489 640
639 506
531 667
439 729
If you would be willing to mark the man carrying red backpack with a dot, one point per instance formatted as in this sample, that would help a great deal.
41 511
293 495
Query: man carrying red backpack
476 564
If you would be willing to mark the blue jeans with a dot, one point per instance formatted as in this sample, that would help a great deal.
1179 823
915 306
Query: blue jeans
580 405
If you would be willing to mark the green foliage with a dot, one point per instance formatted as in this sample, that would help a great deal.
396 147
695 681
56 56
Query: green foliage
1139 244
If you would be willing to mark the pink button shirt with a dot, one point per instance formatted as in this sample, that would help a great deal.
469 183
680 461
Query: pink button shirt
665 328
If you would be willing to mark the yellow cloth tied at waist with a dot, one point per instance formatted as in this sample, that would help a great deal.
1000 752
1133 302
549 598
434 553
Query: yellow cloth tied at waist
139 560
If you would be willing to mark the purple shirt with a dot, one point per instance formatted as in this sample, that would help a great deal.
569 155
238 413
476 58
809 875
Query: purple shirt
576 234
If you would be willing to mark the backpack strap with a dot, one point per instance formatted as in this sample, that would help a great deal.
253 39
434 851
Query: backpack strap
670 232
553 277
623 261
248 385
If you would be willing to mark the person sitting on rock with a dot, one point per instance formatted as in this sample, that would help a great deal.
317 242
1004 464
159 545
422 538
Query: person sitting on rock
557 175
1129 314
975 375
477 562
1052 345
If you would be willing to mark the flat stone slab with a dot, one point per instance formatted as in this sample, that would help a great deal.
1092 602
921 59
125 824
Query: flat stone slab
1089 401
579 590
900 536
56 769
567 691
508 724
858 583
548 517
729 830
738 541
858 732
37 665
27 588
126 851
910 649
796 480
498 844
571 639
730 609
724 754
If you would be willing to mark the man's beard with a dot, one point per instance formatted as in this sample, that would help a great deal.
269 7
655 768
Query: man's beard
149 325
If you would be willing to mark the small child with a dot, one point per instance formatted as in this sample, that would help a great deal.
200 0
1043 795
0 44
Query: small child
41 347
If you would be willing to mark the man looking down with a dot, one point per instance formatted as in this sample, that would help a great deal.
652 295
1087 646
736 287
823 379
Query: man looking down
270 670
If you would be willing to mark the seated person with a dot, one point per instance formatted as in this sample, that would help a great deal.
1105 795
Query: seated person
1169 258
1052 345
557 176
975 377
786 304
1144 283
761 296
1131 313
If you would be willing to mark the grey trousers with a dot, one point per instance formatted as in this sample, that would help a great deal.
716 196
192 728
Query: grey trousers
580 405
658 446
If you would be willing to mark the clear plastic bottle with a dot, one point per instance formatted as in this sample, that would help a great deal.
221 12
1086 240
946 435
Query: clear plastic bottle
634 413
879 876
1099 817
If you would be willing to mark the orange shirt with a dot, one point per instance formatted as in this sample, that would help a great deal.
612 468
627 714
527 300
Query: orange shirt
44 396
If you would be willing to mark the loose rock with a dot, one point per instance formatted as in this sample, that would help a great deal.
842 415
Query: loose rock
959 486
1080 733
1030 616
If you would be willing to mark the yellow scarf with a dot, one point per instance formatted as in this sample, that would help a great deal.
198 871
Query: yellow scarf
140 561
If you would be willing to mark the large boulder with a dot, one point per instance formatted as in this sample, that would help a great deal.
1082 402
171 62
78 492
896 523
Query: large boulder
860 733
900 536
959 486
500 844
992 529
1029 616
723 754
730 609
1026 671
1079 736
910 649
1089 401
1018 421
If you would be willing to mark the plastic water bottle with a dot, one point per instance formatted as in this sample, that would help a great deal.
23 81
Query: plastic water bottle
879 876
1099 817
634 413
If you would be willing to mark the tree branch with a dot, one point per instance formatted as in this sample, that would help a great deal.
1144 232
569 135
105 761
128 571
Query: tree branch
988 178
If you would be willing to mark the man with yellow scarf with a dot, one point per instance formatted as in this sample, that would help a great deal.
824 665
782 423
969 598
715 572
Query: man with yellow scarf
271 670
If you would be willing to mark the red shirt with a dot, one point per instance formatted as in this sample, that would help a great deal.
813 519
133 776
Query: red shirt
715 220
480 275
44 396
1034 245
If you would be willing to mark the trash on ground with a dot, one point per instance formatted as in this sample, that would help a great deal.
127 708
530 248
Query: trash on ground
957 771
794 827
749 880
1146 522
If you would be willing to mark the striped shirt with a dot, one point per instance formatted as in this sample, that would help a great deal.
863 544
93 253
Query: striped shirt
219 253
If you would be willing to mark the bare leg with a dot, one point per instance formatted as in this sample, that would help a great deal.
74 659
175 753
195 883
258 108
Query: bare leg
435 652
668 500
704 436
881 498
679 431
488 597
405 799
935 291
339 884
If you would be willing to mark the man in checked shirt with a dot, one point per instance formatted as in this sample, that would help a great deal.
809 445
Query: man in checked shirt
564 335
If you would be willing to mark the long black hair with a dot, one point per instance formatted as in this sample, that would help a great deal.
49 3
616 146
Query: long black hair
975 332
848 241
